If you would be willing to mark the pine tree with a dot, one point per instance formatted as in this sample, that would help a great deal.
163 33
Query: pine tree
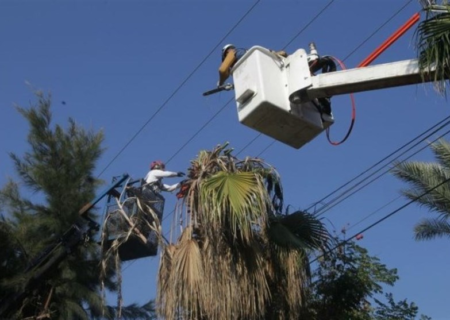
58 169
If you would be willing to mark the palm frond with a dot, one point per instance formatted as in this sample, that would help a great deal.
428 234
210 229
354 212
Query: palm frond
289 283
234 201
429 229
299 230
185 290
441 150
433 46
424 179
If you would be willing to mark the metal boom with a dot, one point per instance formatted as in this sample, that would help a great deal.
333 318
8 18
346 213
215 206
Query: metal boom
375 77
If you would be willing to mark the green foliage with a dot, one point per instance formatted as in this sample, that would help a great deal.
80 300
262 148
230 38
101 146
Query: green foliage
401 310
347 284
433 44
58 169
422 178
299 230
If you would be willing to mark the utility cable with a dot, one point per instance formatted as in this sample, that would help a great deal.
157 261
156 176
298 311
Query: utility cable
179 87
348 56
310 22
292 40
378 29
198 131
374 212
353 114
218 112
172 95
359 189
229 101
379 162
382 219
339 198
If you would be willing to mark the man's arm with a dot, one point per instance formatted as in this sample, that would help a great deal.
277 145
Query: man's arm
281 53
228 62
164 174
170 188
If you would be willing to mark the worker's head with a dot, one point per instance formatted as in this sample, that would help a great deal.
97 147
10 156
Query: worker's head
225 50
157 165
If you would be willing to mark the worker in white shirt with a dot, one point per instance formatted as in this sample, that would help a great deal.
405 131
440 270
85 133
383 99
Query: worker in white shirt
153 179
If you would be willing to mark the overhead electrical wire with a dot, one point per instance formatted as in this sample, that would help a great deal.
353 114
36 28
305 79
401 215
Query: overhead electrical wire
180 86
378 162
382 219
373 212
171 96
223 107
348 56
331 204
231 99
379 209
382 174
303 29
378 29
446 123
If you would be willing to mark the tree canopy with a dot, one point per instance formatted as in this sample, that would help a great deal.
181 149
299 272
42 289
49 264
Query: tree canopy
54 180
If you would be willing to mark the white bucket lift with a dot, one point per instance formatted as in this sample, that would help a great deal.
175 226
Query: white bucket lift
267 89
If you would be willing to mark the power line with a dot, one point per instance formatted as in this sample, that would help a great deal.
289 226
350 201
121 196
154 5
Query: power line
171 96
359 189
385 205
179 87
374 212
228 102
301 31
231 99
200 130
339 199
310 22
382 219
348 56
248 144
378 29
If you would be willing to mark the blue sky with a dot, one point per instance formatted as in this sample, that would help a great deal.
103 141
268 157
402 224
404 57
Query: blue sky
137 70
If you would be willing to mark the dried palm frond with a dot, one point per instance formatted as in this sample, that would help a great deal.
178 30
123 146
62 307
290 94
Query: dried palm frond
183 267
166 287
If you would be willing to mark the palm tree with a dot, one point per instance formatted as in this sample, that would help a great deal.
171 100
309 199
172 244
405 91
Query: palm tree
236 255
431 181
433 43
